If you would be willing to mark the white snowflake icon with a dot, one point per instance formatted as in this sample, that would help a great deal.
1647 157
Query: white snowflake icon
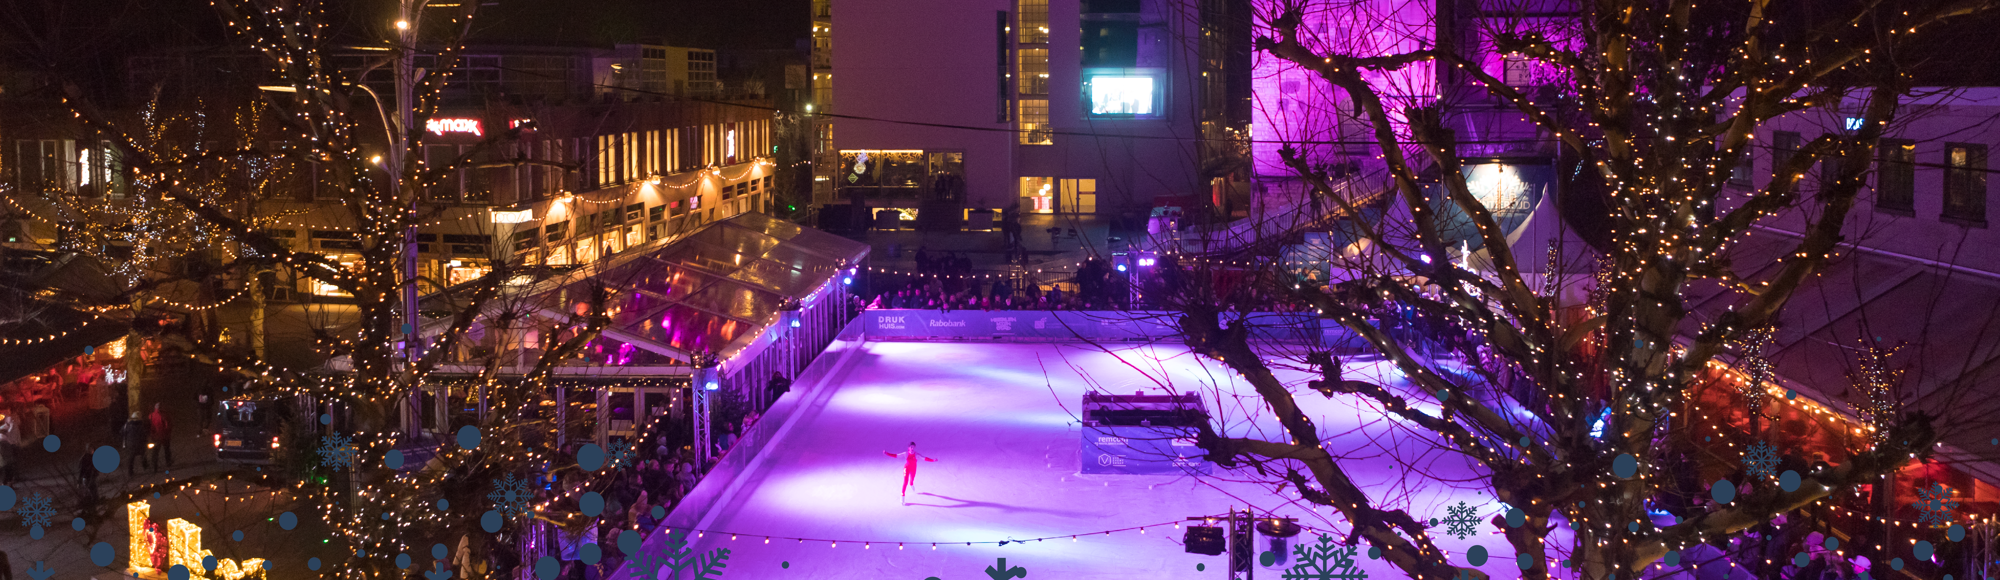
336 451
1760 460
510 496
1935 503
35 512
1461 520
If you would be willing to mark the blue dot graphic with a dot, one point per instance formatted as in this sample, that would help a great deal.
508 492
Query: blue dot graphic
102 554
1516 518
288 521
444 504
178 572
490 521
1895 563
36 532
438 551
1476 556
1922 550
325 419
76 524
1788 481
1374 553
1801 559
51 443
105 459
468 437
209 563
1625 465
236 535
385 515
1955 533
6 498
590 457
659 513
628 542
1198 567
1723 491
546 568
402 561
1673 558
312 563
591 504
1525 561
1831 543
590 554
393 460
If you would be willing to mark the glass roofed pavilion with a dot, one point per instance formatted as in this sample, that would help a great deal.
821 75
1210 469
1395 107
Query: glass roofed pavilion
752 295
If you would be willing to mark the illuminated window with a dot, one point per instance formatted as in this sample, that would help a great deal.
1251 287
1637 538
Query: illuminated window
1128 93
1035 122
1038 194
1034 78
1965 183
1034 25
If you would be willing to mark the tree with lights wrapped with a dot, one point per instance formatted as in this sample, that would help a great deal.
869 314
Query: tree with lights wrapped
1649 108
349 143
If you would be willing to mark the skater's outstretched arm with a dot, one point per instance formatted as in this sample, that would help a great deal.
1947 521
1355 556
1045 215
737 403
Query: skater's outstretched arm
892 454
927 458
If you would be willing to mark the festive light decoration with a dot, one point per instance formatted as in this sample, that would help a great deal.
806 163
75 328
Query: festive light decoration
141 555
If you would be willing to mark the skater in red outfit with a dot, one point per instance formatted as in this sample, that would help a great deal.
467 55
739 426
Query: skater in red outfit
909 467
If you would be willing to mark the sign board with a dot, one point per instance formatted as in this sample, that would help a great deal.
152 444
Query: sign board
454 125
1141 451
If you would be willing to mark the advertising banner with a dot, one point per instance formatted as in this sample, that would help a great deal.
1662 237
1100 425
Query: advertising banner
904 324
1140 451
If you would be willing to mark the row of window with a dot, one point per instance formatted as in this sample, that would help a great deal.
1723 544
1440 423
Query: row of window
1963 185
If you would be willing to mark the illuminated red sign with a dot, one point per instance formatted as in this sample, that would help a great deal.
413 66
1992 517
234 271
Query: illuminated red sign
443 126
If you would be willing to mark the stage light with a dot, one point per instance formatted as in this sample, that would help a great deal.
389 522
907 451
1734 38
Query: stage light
847 280
1121 267
714 386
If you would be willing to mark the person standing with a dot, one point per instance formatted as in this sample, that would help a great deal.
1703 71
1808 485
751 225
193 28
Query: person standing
163 439
778 385
86 472
134 434
909 468
206 415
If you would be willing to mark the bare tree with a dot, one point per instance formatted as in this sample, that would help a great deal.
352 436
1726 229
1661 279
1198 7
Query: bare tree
1651 105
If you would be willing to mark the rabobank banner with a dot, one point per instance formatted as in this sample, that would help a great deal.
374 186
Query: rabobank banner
1049 325
1129 450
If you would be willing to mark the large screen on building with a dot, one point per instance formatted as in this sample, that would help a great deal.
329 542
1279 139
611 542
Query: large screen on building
1123 93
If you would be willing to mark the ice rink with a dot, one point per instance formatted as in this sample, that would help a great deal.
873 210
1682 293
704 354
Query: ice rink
1001 420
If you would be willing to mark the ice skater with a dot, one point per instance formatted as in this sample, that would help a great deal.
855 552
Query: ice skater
909 468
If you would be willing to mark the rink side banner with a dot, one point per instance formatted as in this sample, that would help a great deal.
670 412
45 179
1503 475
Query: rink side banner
1128 450
1045 324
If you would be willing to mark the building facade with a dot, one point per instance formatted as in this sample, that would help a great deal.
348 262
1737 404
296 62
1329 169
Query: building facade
1060 106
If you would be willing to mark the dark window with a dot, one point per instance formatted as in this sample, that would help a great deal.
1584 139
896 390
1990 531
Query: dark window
1745 168
632 212
1784 144
1110 44
466 239
656 212
1896 176
1829 172
1005 110
339 245
335 235
468 249
556 232
524 239
1110 6
1965 183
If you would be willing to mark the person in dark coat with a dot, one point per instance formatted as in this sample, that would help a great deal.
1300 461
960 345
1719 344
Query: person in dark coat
134 435
778 385
86 472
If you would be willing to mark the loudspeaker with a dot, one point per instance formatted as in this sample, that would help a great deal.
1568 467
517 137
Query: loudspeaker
1206 540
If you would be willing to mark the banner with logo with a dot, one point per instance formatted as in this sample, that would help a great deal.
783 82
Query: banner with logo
1052 325
1128 450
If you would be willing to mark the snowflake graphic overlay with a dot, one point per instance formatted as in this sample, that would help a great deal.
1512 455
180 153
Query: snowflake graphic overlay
1936 504
510 496
1323 561
337 452
619 455
676 556
1461 520
1760 460
35 510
